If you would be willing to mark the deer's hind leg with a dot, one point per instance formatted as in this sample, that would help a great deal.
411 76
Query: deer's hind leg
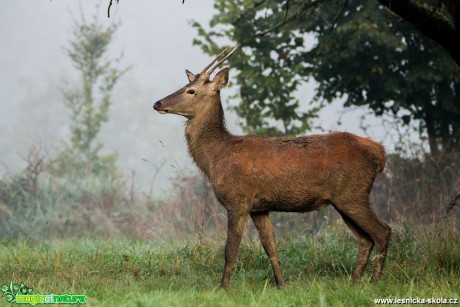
360 213
365 247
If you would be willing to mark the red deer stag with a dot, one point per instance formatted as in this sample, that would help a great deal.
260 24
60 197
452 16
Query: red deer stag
253 175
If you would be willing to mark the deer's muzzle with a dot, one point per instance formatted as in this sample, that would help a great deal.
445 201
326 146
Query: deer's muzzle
157 107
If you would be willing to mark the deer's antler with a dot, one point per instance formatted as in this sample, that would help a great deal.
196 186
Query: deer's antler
211 66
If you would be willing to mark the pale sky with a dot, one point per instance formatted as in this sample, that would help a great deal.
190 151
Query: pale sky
156 40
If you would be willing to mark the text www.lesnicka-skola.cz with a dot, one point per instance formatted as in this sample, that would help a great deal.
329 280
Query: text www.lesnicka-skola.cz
416 300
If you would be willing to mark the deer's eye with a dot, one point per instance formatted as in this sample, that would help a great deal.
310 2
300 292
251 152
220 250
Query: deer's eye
191 92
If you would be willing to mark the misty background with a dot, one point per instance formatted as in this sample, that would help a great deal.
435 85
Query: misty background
149 230
155 39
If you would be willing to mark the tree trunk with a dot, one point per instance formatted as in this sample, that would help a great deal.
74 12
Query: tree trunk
432 140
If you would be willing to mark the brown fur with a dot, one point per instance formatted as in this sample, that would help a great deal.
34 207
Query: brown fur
254 175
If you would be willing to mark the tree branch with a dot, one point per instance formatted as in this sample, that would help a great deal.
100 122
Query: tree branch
110 5
292 18
431 23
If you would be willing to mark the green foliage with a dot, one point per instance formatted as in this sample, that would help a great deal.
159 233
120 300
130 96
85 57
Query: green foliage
89 104
361 53
265 79
383 63
422 263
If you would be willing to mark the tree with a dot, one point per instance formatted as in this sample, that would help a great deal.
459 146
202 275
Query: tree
360 54
267 79
438 20
89 104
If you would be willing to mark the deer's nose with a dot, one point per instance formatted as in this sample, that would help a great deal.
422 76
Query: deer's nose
157 105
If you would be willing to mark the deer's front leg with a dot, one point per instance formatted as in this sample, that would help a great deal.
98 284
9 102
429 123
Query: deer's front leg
236 224
267 237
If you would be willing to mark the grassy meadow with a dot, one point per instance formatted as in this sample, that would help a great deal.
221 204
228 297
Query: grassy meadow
99 236
127 272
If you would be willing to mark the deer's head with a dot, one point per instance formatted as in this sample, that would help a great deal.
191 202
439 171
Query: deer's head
199 92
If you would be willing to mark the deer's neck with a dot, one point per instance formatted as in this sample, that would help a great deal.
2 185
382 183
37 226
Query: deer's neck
207 136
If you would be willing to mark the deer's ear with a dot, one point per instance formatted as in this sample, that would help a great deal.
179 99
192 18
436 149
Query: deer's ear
220 80
190 75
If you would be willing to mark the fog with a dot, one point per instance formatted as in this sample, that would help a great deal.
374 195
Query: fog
155 38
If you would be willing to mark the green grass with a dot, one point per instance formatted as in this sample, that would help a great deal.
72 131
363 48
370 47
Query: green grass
113 272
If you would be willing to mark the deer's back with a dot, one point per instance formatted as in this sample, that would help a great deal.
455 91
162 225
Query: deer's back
296 174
